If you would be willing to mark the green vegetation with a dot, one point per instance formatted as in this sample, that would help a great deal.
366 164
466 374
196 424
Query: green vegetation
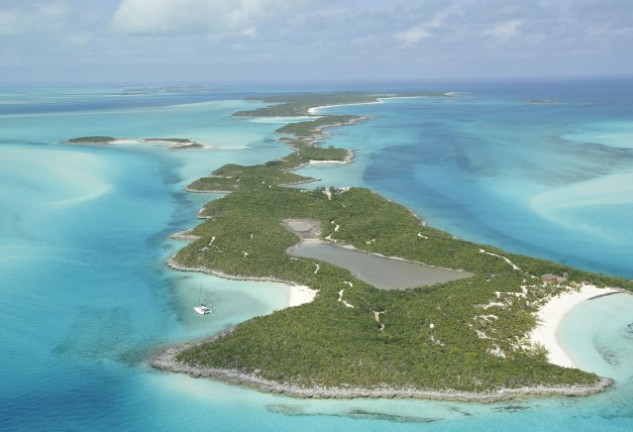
179 143
302 137
469 334
97 139
307 128
297 105
172 140
175 140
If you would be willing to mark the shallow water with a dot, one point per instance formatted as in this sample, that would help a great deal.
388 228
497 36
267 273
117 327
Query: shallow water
603 345
493 168
85 296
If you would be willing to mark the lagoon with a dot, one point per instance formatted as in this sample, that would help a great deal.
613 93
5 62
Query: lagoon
386 273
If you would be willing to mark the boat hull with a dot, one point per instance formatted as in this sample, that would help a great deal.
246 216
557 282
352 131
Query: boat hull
202 310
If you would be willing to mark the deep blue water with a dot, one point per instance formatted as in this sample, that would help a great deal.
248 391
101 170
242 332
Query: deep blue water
85 297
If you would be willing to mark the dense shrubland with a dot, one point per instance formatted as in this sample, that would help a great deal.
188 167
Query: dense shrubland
468 334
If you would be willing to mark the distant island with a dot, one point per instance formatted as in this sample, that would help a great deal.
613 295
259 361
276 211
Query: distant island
175 143
464 330
546 102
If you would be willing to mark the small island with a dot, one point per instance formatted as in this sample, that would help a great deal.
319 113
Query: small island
174 143
467 329
546 102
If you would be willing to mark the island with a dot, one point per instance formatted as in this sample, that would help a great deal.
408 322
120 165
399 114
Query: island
461 321
174 143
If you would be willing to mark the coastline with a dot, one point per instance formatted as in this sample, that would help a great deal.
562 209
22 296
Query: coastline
552 314
319 132
349 158
549 316
300 294
174 265
297 294
172 143
314 110
165 360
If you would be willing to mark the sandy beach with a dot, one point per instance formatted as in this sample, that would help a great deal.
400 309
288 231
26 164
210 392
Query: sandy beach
552 314
299 294
550 317
315 110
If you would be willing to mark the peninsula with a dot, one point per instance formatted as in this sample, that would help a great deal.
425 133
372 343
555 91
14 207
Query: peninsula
465 336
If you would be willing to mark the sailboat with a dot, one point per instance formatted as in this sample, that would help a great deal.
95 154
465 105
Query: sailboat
202 309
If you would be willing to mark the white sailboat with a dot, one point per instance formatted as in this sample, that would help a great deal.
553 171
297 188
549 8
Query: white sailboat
202 309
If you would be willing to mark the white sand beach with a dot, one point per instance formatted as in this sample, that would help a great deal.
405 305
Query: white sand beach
551 315
314 111
299 294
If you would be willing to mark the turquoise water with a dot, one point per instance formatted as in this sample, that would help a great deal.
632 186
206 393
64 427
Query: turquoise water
605 343
85 296
545 180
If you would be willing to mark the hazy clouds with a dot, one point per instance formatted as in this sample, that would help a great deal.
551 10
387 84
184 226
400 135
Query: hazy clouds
295 39
180 17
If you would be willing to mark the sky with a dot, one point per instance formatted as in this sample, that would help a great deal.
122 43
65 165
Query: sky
303 40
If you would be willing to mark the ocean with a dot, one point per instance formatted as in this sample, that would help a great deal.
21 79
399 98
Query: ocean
542 168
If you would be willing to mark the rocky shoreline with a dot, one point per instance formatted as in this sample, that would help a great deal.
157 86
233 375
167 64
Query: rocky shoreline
165 360
171 263
319 133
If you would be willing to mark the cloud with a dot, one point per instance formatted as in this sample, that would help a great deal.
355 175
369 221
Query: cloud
413 35
10 22
185 17
33 18
331 37
431 26
504 30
